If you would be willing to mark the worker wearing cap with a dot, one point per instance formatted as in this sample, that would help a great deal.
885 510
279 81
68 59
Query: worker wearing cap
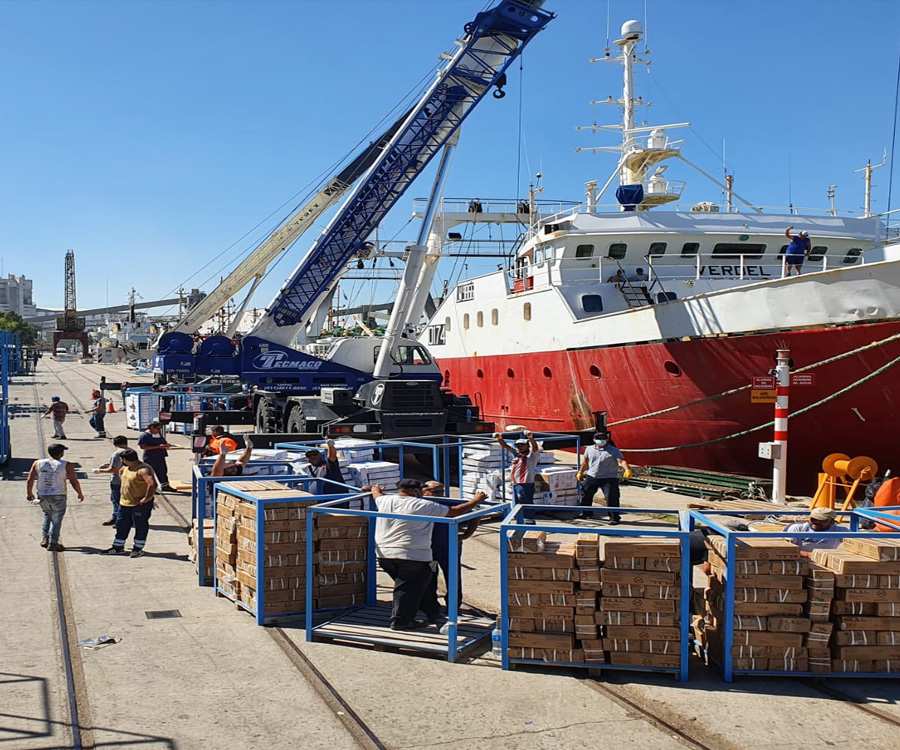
797 251
403 549
820 519
526 455
51 475
599 470
324 466
57 410
97 412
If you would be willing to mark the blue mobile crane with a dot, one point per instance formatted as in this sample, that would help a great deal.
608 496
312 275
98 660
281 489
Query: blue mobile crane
372 387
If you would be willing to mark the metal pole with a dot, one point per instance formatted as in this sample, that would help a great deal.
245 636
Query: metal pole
779 464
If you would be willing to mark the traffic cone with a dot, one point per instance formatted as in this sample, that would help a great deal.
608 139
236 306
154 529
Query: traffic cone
111 409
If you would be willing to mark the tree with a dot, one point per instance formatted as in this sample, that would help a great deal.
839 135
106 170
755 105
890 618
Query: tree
14 323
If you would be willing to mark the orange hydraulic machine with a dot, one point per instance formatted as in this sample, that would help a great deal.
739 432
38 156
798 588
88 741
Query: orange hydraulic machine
842 471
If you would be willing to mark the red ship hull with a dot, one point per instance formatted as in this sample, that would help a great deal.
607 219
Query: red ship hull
558 391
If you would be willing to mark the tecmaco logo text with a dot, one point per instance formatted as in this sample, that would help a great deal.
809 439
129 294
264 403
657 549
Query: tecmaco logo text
280 361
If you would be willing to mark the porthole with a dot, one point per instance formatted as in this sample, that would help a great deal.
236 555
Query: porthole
510 373
526 311
466 321
495 316
548 373
479 319
447 324
594 371
672 368
479 374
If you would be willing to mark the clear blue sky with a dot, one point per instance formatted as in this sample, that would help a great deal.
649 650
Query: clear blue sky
151 136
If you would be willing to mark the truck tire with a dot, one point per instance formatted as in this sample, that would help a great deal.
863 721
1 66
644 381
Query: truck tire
264 418
295 422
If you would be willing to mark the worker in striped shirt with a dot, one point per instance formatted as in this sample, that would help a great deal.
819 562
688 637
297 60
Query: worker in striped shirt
526 455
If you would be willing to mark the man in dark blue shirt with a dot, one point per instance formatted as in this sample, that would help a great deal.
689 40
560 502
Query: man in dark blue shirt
797 251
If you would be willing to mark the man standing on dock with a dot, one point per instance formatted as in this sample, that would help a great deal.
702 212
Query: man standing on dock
57 410
526 453
97 412
51 475
154 446
135 505
403 548
600 471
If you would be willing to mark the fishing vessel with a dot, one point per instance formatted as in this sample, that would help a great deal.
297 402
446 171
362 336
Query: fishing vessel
656 317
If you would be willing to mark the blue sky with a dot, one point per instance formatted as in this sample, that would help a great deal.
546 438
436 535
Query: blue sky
151 137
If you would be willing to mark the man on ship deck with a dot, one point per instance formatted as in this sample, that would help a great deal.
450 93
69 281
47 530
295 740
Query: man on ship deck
797 251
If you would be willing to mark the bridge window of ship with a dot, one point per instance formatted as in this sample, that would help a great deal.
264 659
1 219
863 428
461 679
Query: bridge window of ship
584 251
617 250
737 250
592 303
479 319
690 249
526 311
852 255
817 253
657 248
465 292
666 296
672 368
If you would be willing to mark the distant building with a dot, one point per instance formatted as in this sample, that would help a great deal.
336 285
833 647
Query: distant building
16 296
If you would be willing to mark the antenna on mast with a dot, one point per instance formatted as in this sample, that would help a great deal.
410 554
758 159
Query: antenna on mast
867 209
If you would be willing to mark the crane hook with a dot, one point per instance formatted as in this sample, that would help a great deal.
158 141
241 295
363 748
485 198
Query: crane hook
499 93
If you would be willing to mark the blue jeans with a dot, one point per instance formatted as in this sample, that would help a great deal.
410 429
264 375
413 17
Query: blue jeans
54 507
523 494
137 516
115 494
96 421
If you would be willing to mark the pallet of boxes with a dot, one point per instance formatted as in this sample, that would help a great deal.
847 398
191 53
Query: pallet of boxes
339 576
209 548
781 601
596 601
865 612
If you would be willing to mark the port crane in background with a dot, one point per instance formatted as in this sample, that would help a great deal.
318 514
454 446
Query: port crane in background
372 387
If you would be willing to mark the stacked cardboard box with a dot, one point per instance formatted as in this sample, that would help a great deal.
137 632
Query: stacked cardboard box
772 585
866 606
542 599
640 602
341 547
209 548
557 484
369 473
282 551
482 470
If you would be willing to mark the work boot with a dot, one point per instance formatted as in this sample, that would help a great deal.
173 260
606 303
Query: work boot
45 540
55 547
111 522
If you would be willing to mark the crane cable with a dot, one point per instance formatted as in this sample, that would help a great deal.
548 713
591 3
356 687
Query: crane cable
708 399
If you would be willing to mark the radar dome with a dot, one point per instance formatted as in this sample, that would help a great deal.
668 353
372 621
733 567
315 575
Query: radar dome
632 30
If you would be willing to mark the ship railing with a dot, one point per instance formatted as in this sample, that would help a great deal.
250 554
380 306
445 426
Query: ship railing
477 206
740 267
702 207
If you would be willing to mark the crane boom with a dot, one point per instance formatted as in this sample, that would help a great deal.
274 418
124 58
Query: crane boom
289 231
491 42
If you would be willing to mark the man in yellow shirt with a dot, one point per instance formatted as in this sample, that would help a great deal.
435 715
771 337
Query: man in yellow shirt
139 486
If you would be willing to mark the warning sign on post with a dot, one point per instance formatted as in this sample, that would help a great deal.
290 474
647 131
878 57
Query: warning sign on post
759 396
763 383
803 378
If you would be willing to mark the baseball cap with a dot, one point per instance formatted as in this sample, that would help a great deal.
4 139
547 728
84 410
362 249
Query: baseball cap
55 398
521 441
409 484
803 233
821 514
56 449
601 436
312 452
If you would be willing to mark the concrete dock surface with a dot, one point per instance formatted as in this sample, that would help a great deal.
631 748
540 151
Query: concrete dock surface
211 678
